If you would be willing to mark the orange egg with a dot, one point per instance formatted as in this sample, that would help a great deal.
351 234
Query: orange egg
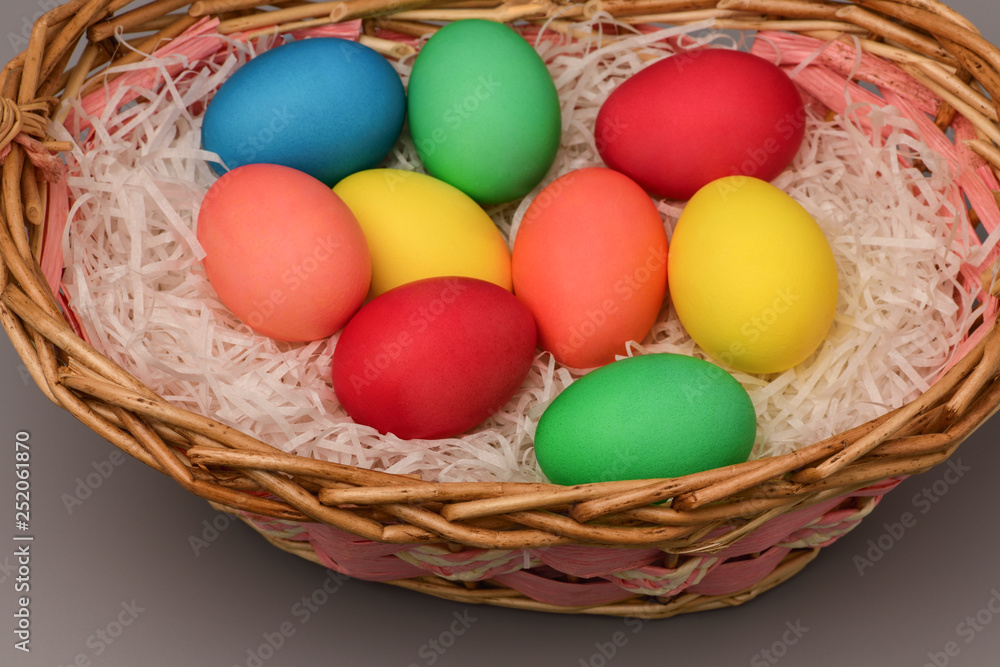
283 252
590 262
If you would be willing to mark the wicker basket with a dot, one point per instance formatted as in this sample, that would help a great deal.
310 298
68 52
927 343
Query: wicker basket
722 537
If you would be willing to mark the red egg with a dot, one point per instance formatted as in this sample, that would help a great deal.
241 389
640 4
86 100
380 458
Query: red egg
433 358
696 116
590 263
283 252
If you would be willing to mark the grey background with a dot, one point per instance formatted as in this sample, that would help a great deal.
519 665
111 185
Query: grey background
124 554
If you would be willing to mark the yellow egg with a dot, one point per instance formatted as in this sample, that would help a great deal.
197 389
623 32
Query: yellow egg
419 227
751 275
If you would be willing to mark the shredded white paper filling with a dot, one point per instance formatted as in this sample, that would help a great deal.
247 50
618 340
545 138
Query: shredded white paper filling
133 276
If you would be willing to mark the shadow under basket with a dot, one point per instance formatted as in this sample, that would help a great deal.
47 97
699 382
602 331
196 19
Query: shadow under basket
644 548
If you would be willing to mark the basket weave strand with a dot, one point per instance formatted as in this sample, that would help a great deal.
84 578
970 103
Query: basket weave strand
649 548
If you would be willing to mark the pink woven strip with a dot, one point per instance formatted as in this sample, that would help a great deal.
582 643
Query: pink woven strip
780 528
562 593
346 30
51 260
586 561
71 318
49 166
776 530
879 488
828 88
56 210
288 530
665 582
626 571
375 561
735 576
789 50
830 85
827 529
471 565
197 43
343 546
379 568
352 553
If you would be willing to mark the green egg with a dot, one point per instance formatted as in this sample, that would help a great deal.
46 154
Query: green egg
652 416
483 111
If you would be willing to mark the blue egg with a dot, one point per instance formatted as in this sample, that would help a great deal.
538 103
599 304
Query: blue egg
329 107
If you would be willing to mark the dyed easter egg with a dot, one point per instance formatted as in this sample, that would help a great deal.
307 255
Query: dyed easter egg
283 252
752 277
700 115
419 227
326 106
433 358
652 416
590 262
483 110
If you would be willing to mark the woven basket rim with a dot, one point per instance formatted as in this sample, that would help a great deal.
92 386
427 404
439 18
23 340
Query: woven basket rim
927 39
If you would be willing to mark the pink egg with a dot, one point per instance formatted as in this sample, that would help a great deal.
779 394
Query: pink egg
696 116
283 252
433 358
590 263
